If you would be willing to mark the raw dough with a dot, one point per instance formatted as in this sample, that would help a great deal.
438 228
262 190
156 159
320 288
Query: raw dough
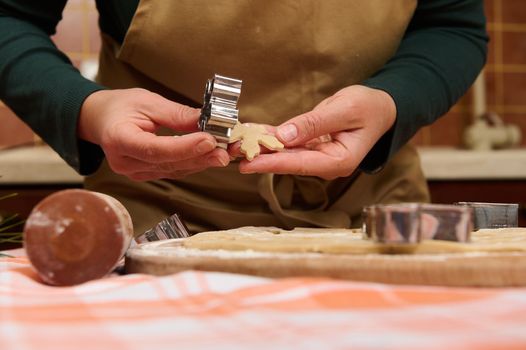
251 136
345 241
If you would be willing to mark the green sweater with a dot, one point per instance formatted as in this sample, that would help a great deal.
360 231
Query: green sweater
439 57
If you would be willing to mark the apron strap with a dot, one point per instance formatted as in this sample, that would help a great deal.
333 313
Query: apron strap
312 190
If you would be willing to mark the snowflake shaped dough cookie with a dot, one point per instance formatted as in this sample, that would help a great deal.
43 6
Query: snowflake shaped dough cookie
251 136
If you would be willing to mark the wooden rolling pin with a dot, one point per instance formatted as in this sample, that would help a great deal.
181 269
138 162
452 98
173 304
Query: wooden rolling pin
74 236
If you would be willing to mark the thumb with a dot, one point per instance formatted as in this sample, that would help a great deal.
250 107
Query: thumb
308 126
174 115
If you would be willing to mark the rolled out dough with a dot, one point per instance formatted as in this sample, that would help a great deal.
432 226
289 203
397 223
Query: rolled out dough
346 241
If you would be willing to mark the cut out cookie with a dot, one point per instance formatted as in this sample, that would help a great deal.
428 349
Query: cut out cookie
251 136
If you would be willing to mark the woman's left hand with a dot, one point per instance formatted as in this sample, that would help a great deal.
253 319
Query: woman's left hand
331 140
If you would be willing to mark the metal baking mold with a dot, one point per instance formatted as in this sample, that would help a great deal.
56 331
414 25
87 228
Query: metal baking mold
493 215
171 227
410 223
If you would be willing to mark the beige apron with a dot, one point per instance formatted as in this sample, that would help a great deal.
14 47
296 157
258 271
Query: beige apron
290 56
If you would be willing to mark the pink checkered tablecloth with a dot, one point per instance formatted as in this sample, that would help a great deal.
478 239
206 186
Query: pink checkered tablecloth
207 310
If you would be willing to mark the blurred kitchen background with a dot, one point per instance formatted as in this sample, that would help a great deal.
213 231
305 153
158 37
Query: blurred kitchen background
453 173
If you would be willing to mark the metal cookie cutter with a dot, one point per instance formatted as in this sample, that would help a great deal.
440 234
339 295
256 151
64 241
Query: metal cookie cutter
409 223
493 215
219 113
445 222
396 223
171 227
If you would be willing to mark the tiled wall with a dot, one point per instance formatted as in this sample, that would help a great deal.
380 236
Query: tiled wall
505 75
78 32
77 35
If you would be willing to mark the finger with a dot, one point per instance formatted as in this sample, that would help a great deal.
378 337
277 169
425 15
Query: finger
307 163
152 175
234 150
328 160
318 140
324 120
148 176
216 158
173 174
149 147
125 165
173 115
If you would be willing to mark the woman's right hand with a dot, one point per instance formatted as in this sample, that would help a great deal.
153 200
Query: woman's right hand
124 122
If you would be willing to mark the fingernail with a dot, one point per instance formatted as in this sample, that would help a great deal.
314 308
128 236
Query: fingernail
204 146
288 132
216 161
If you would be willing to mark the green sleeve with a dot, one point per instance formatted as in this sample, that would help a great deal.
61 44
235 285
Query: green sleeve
39 83
441 54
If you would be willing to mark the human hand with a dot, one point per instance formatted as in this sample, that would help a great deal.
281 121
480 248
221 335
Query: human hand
124 122
331 140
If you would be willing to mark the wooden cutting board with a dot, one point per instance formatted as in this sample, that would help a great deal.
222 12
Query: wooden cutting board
482 269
